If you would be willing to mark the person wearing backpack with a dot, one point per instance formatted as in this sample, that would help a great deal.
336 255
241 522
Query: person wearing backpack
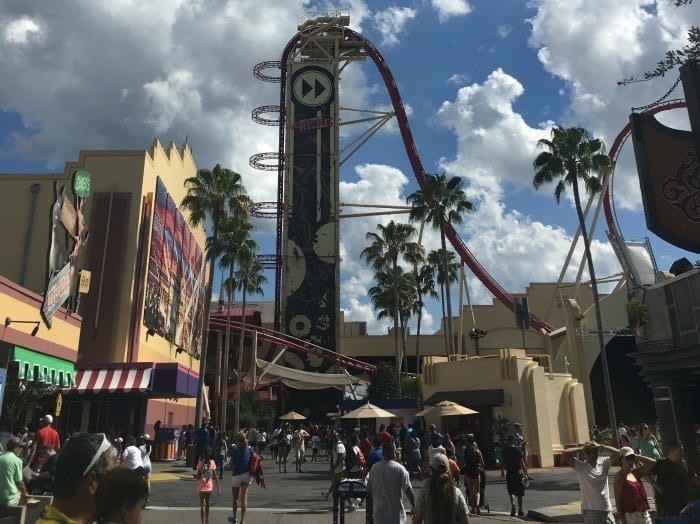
206 478
472 469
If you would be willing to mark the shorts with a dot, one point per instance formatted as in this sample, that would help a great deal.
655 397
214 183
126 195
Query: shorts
238 480
515 483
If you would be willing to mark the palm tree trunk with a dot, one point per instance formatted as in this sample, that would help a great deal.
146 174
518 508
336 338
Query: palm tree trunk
598 316
397 351
237 425
205 340
450 336
227 352
420 315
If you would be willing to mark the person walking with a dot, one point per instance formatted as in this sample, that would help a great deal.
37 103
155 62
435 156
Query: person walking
206 479
630 496
221 453
241 455
441 501
592 474
513 467
202 440
338 452
283 447
388 482
299 448
472 469
131 457
12 488
145 449
673 474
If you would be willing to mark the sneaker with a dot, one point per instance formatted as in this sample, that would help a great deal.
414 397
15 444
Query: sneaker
512 511
232 520
352 507
521 513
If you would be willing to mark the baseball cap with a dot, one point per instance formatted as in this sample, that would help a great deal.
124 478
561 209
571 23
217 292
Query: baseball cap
147 436
439 462
14 442
626 451
688 515
47 418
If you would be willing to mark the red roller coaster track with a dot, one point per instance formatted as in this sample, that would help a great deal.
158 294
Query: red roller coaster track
291 342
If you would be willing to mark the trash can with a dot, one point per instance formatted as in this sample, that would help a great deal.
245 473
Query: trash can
350 489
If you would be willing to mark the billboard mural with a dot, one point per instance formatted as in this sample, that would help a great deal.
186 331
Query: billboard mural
175 292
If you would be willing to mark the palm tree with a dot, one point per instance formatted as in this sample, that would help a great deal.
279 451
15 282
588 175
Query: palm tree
441 202
571 157
212 195
249 279
425 286
234 236
436 259
393 241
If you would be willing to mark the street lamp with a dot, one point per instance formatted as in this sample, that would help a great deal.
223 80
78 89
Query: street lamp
475 335
35 330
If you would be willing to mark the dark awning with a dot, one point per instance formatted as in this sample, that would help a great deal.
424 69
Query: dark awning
469 397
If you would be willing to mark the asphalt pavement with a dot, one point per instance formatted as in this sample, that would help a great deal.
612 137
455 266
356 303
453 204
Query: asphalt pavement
552 496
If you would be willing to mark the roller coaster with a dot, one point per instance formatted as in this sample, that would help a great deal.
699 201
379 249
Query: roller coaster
275 161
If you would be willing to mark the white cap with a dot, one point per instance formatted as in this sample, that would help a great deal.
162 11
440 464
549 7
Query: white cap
48 419
439 462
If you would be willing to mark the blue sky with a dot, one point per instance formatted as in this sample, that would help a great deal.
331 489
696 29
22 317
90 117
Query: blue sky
483 81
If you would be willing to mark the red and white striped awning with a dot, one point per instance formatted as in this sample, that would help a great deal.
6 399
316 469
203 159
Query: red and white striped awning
113 380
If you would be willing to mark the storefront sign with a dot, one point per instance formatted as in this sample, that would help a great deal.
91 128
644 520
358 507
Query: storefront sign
81 184
85 276
35 366
59 404
57 293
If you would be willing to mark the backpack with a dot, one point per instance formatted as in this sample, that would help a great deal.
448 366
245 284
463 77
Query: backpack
354 458
206 470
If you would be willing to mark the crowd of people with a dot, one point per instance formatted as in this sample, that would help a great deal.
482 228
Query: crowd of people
94 478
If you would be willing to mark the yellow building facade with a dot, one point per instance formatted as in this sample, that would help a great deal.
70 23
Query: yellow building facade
136 352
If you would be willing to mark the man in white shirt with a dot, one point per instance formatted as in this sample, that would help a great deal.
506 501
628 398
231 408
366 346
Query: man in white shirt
131 456
592 476
388 481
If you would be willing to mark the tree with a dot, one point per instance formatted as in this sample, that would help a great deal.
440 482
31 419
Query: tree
441 202
425 286
249 279
233 237
393 241
211 196
382 383
570 157
435 265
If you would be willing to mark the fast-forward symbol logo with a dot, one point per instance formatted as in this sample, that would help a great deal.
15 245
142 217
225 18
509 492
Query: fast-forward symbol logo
312 87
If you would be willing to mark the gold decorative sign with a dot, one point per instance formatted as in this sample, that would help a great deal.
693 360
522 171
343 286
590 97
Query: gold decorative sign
84 283
668 175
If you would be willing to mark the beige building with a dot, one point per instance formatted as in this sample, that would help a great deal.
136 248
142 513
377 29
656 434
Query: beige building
141 319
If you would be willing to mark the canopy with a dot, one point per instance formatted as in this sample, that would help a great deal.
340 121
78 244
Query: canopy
292 415
369 410
298 379
446 408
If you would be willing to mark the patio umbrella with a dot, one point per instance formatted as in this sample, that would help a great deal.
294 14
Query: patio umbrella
369 410
292 415
446 408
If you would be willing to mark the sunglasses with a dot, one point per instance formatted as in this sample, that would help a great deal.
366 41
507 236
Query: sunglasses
104 446
631 458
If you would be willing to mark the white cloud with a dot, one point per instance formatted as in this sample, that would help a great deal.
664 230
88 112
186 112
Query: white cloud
391 22
458 79
22 30
483 120
504 30
447 9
